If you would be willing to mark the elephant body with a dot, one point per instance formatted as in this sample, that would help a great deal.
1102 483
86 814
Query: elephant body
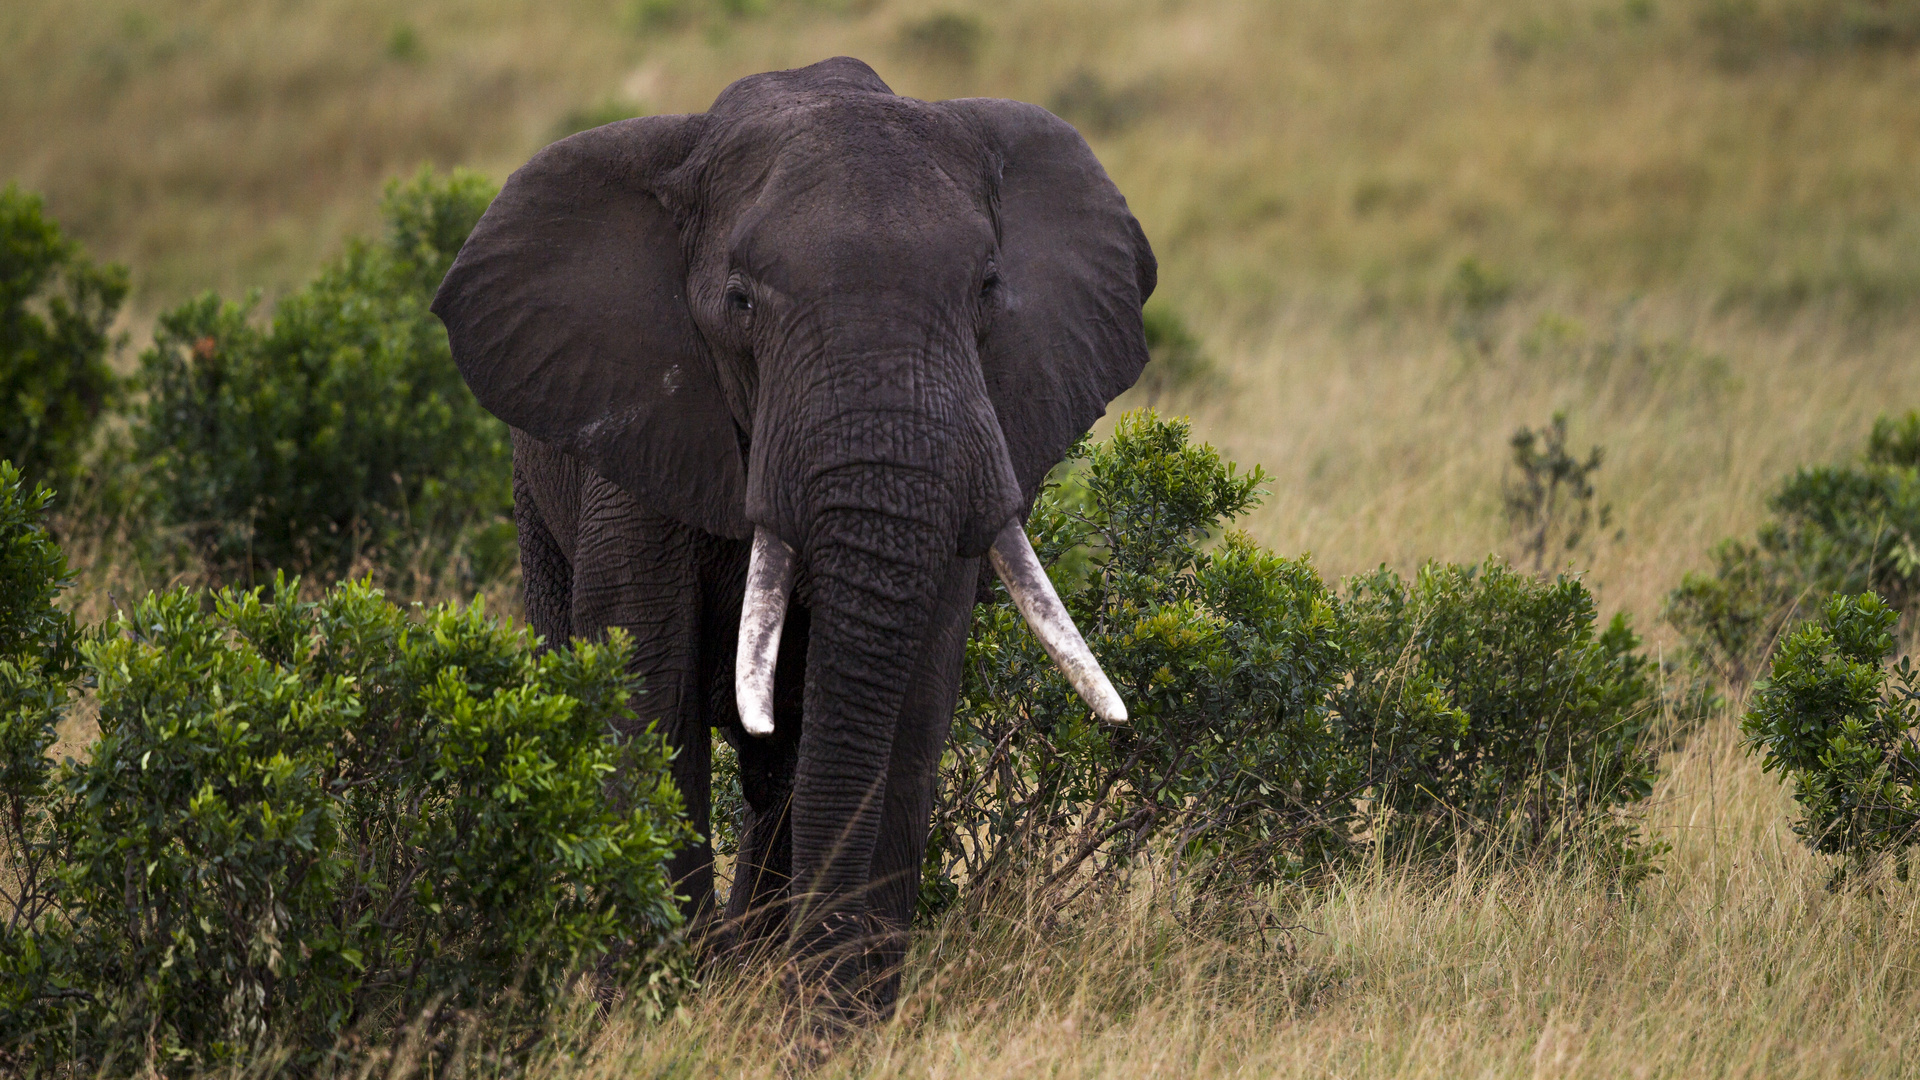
838 329
594 558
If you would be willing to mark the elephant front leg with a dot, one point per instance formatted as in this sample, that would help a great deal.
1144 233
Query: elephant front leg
640 571
756 902
756 899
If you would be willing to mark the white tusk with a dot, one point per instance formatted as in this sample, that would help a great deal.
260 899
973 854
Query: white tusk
1026 580
762 615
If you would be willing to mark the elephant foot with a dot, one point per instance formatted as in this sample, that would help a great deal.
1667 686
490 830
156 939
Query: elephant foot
845 975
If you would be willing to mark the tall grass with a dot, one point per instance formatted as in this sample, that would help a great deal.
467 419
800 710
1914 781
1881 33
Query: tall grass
1387 440
1734 962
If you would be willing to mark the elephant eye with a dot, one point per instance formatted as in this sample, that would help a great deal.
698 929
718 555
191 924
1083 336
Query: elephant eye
738 301
989 283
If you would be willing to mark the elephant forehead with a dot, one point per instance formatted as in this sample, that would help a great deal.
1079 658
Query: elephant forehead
859 193
837 140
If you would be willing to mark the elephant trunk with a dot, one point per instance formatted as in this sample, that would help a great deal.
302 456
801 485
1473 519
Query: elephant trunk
873 576
884 419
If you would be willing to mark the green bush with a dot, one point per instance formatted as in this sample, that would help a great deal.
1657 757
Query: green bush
1487 707
1833 529
36 638
1276 727
340 435
306 821
39 662
1225 658
1832 719
56 309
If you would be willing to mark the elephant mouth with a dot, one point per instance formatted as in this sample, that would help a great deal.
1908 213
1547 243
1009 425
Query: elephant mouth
770 571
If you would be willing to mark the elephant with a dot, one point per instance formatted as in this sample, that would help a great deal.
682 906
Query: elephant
783 379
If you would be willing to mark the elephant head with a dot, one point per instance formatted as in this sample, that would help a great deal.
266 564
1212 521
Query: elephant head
856 327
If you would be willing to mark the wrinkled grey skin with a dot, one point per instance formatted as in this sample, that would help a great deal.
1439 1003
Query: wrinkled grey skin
866 323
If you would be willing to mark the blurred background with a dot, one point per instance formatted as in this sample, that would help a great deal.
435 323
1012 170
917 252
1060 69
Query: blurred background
1391 232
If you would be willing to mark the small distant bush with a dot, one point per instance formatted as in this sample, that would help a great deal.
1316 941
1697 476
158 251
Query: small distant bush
1833 529
1476 291
1479 287
1176 360
1490 706
646 16
304 822
1746 33
945 37
339 434
403 44
659 16
1840 727
1549 497
56 314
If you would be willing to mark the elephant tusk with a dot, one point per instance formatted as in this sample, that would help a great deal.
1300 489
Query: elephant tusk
1026 580
762 615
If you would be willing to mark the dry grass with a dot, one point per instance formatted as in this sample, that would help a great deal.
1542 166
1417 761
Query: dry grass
1388 442
1734 962
1713 238
219 144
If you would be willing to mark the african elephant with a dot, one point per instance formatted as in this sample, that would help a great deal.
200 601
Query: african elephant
780 375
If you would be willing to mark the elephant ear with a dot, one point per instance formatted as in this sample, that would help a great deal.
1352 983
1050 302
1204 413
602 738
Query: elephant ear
568 318
1074 269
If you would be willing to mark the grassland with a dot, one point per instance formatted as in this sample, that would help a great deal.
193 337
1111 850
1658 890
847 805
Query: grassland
1735 962
1700 235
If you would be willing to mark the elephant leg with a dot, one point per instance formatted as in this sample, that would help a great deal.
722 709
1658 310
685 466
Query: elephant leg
545 573
641 571
756 905
913 778
764 862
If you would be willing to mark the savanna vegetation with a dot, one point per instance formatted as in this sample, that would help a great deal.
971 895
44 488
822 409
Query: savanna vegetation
1574 341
